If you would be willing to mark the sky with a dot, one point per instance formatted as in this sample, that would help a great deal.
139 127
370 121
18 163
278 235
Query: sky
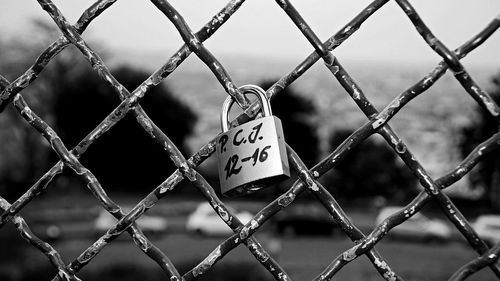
261 28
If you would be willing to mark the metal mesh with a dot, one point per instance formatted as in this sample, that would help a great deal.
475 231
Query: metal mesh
308 178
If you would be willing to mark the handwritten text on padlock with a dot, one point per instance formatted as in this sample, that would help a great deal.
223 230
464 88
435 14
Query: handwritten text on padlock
236 162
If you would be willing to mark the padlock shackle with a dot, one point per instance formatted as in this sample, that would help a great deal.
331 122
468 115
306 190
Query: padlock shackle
256 90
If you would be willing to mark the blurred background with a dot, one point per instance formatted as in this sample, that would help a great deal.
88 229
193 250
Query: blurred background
258 45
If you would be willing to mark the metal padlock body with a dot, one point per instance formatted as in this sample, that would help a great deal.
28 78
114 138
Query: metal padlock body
252 155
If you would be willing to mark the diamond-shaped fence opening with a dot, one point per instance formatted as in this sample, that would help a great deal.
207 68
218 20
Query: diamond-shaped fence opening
377 123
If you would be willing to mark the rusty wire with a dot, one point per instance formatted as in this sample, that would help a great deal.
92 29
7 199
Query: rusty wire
308 178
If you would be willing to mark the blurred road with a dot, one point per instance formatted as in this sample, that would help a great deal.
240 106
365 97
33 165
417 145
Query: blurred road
302 257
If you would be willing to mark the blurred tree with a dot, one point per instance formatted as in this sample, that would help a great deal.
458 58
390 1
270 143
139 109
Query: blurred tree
295 113
371 169
486 174
23 152
71 97
125 158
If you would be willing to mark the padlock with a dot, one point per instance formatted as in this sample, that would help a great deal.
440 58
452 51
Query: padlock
252 155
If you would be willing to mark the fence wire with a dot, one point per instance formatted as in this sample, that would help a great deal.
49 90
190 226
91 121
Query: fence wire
363 244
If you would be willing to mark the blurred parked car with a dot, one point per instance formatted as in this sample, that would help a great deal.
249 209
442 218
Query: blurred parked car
488 228
149 224
204 220
417 227
305 219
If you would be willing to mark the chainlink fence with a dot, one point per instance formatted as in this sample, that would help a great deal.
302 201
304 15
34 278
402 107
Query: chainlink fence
363 244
